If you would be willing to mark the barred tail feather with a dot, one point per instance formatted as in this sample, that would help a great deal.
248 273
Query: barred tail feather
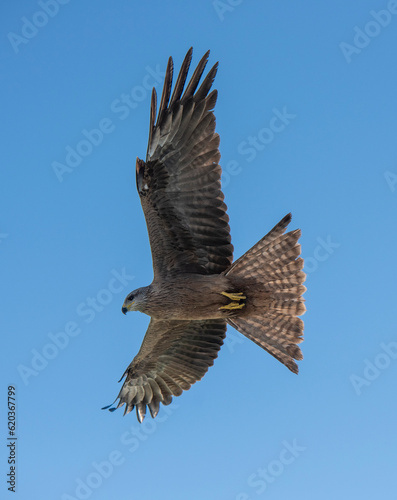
272 271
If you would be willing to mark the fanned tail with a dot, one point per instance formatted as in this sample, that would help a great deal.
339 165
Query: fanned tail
271 276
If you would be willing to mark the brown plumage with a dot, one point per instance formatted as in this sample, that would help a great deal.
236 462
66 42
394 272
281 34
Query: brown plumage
196 289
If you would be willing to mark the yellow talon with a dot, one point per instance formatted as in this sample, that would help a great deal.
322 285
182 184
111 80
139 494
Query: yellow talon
234 296
232 306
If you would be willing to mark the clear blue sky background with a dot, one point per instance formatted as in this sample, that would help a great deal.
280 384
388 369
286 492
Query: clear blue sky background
334 166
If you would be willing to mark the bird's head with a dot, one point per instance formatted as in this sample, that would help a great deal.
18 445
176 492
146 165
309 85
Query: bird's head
134 300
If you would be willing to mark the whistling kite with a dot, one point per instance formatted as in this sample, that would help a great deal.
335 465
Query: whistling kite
197 289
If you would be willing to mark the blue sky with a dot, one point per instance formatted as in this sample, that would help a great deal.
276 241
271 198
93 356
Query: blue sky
73 244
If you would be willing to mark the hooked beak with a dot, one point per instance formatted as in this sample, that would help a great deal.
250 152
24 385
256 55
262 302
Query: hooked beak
125 308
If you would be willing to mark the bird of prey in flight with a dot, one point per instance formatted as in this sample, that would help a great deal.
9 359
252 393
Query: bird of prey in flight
197 289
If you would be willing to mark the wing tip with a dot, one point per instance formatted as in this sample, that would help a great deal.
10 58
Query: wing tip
154 407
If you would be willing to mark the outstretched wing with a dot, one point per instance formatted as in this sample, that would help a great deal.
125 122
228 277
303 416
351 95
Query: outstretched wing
173 356
180 182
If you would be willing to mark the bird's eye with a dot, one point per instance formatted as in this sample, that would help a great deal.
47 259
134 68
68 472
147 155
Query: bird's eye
130 297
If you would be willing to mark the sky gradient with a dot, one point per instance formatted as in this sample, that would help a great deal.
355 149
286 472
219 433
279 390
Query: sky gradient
76 81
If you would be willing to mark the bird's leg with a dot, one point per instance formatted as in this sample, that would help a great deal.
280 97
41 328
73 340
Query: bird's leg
232 306
235 298
234 295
